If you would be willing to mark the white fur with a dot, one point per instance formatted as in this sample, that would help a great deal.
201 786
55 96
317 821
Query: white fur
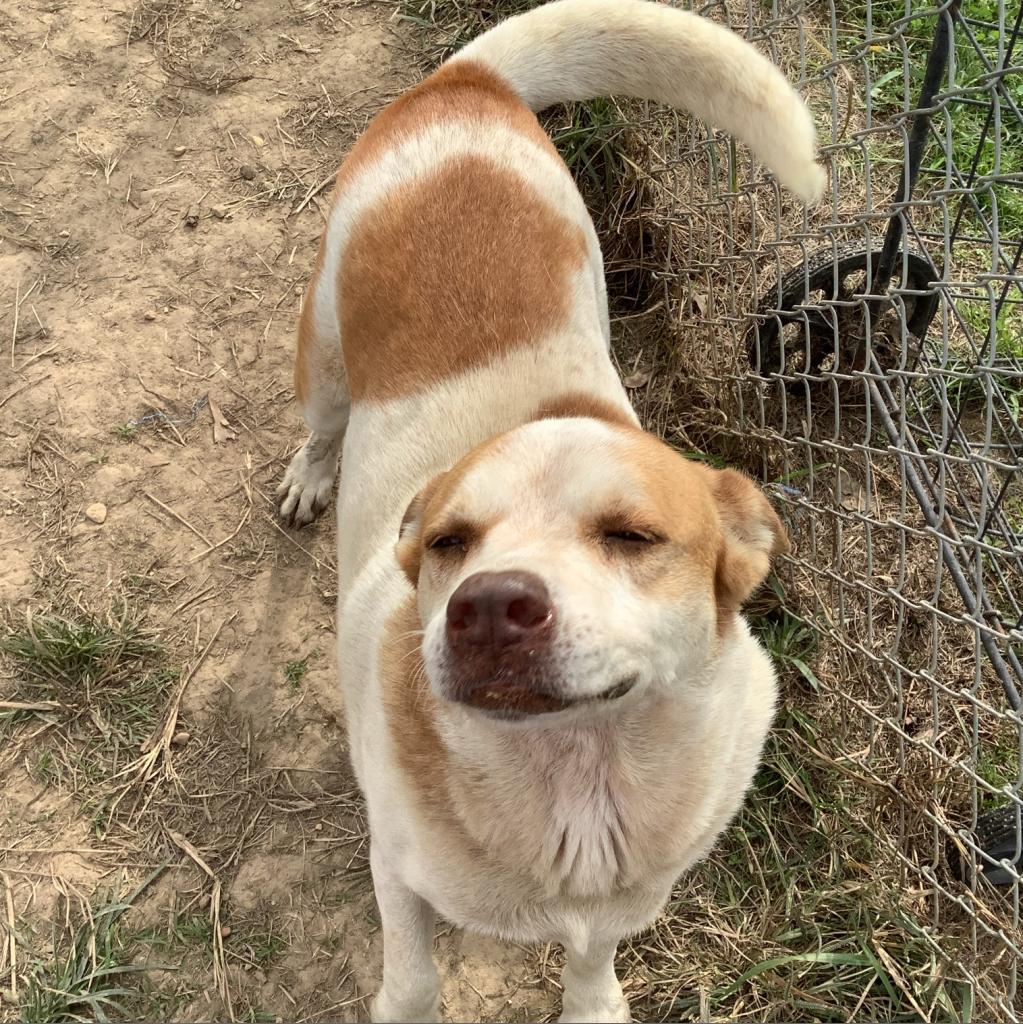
578 49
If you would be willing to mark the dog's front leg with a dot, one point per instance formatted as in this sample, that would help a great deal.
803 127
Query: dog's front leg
411 988
590 987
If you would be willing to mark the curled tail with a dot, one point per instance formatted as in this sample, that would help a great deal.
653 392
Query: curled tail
578 49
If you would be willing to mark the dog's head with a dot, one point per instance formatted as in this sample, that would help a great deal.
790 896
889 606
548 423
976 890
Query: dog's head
574 563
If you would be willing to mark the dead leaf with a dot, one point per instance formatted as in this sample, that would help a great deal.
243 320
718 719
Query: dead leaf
637 379
851 494
699 301
222 430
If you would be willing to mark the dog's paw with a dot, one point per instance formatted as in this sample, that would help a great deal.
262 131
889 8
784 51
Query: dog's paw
617 1013
424 1008
306 488
582 1008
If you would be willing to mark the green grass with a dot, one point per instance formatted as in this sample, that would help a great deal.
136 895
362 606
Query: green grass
99 672
896 42
791 644
1006 330
126 431
98 681
89 974
190 934
295 671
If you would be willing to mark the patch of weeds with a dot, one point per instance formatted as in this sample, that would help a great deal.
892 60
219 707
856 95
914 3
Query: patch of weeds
87 977
589 137
254 1016
894 51
450 24
187 937
256 948
790 642
88 667
998 764
127 431
97 681
1007 329
295 671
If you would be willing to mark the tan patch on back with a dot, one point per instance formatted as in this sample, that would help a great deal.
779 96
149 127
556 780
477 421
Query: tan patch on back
449 275
578 403
462 91
465 91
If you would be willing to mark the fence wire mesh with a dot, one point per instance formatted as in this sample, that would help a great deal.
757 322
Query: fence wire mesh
886 418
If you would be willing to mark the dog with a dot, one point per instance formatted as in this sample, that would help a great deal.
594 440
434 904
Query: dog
554 705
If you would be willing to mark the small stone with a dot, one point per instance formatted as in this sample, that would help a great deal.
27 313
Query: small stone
149 315
96 513
318 827
192 216
225 931
179 739
259 141
220 212
65 233
248 172
179 152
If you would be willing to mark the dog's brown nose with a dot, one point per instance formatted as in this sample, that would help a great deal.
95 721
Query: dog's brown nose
499 609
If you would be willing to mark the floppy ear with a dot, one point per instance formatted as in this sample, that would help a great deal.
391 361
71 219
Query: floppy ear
753 536
409 550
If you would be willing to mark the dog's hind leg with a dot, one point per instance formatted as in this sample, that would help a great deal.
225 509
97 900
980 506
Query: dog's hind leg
321 389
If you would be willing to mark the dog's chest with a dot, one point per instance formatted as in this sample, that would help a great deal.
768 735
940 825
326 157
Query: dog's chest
564 810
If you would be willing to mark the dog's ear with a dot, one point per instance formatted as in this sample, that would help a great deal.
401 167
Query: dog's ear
409 549
753 536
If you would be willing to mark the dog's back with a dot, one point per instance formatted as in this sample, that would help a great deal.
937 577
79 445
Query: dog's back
458 248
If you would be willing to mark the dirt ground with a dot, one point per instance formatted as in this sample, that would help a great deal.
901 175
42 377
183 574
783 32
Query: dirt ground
162 174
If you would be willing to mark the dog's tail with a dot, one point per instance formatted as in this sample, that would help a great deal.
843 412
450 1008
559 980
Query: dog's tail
579 49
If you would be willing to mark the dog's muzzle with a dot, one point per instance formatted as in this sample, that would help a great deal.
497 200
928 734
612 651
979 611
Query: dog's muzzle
499 630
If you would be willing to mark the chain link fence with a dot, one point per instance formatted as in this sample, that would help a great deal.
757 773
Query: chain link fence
865 359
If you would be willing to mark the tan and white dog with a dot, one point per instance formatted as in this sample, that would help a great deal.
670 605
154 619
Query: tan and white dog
554 706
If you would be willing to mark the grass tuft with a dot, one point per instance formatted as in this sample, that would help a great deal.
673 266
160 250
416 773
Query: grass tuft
295 671
100 685
88 976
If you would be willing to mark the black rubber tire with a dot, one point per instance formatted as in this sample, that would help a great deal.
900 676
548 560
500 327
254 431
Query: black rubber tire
818 273
995 834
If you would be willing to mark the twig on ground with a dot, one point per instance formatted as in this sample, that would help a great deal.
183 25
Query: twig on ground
219 962
180 519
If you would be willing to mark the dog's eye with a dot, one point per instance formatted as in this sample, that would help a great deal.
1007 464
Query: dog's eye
447 540
628 537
